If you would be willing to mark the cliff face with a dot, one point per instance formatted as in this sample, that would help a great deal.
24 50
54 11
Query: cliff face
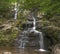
9 29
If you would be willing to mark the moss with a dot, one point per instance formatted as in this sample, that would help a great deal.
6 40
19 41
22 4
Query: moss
7 37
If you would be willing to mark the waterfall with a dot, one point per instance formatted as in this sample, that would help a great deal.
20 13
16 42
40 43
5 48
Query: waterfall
16 11
34 23
41 41
23 40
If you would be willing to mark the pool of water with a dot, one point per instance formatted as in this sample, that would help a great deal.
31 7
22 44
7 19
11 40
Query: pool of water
13 50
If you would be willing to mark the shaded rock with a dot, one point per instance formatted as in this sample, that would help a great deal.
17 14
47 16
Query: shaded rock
56 49
1 26
6 26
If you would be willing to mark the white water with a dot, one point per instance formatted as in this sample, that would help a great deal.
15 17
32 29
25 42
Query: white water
34 24
16 11
41 42
23 39
33 29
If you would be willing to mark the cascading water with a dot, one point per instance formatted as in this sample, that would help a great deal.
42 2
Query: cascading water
22 40
16 11
34 23
41 42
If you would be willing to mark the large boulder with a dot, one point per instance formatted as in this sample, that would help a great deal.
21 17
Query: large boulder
56 49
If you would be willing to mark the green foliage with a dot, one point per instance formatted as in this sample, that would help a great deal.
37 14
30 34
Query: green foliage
50 21
7 37
43 5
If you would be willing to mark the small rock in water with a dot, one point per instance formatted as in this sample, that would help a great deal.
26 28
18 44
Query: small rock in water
42 50
7 53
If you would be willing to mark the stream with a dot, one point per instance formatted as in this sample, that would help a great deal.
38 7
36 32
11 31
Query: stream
13 50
